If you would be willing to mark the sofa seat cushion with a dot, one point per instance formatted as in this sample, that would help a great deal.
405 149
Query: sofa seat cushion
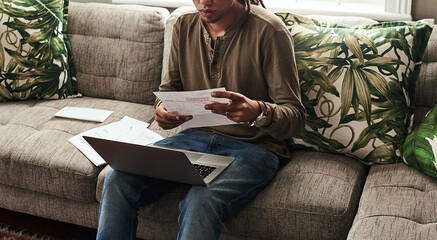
313 189
398 202
35 153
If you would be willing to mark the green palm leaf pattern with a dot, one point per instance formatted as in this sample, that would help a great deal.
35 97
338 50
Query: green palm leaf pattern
358 85
35 50
419 149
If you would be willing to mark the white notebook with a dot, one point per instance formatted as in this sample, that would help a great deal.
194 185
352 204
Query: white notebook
81 113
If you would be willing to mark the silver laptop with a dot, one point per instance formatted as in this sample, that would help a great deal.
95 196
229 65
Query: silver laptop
154 161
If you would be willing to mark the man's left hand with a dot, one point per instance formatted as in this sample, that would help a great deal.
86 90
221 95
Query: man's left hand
238 109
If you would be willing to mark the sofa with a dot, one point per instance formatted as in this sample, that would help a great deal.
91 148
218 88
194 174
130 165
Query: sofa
119 53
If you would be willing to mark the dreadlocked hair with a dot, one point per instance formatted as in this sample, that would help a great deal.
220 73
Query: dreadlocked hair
247 3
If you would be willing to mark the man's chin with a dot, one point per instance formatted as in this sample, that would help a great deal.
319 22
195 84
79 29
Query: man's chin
209 19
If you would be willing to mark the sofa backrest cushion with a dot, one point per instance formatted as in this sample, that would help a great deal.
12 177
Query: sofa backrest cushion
117 50
358 85
426 90
34 51
171 20
420 147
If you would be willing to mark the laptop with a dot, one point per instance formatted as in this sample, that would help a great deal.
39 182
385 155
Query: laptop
159 162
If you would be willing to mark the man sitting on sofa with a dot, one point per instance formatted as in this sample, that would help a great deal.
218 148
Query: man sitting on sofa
247 50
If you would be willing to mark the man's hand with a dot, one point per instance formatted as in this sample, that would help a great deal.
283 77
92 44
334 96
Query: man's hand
167 120
238 109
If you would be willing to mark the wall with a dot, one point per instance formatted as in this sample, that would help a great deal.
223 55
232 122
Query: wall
424 9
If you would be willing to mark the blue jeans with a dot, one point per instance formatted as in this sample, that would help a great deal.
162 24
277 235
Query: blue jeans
204 208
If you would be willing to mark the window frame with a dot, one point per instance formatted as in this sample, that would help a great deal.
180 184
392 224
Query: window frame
395 10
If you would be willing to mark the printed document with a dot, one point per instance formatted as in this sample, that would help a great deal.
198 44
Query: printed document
193 103
127 130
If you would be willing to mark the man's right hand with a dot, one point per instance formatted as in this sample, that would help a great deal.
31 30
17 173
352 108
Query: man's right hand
167 120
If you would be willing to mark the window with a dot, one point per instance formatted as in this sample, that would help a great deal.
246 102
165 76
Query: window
382 10
376 9
375 5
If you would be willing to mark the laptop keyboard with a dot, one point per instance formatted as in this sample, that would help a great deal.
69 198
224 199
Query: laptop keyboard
203 170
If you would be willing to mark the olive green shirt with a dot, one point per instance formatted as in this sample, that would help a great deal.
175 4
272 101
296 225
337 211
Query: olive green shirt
255 58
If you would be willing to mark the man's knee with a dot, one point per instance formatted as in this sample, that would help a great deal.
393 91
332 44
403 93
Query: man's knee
116 181
200 199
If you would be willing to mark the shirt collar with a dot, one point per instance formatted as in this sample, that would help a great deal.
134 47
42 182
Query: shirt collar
231 31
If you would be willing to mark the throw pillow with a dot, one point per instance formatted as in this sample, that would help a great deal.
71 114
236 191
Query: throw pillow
358 85
420 147
35 55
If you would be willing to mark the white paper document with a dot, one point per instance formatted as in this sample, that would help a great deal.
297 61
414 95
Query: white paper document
193 103
127 130
87 114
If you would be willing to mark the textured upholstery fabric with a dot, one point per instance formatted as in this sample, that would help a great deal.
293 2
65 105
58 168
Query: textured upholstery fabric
35 153
49 206
398 202
117 54
314 196
426 88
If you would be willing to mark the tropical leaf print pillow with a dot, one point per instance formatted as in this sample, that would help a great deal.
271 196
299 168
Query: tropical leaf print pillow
358 85
420 148
35 55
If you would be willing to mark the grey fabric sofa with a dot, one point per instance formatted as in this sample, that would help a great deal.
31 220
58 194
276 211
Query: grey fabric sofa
119 53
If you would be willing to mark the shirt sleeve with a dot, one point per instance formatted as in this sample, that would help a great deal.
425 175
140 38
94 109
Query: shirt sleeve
280 71
172 78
